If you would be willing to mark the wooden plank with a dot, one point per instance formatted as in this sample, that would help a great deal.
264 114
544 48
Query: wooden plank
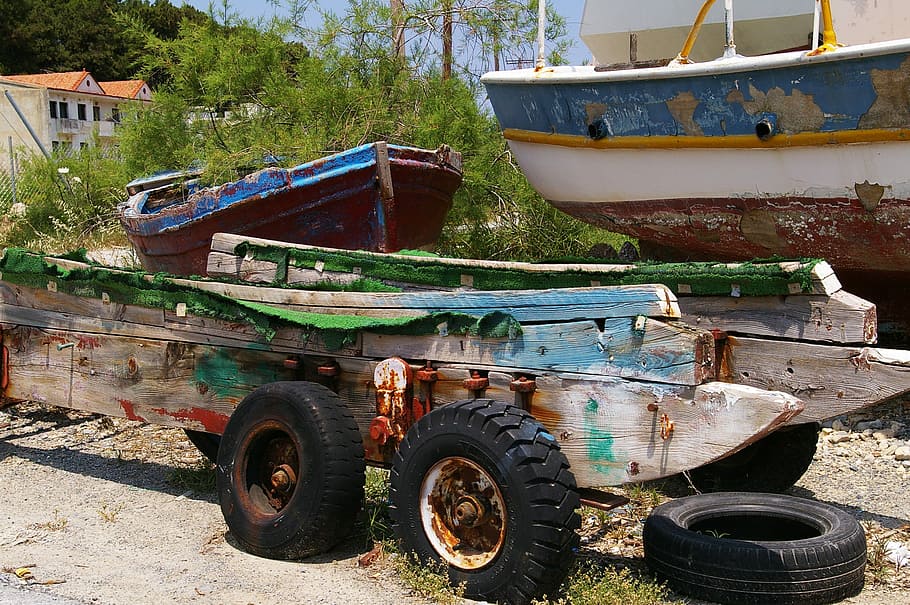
524 305
611 436
823 279
839 318
658 351
246 269
169 383
830 380
190 329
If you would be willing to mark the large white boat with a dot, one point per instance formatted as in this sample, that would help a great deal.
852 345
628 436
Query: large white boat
802 153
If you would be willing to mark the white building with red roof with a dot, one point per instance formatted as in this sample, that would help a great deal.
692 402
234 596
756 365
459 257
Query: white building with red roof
64 111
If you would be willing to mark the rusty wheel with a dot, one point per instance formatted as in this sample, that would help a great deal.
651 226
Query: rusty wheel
290 471
462 513
482 487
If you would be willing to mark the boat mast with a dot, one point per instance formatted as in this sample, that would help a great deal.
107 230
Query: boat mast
729 44
541 33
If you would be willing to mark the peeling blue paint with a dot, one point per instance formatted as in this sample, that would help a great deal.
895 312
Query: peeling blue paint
844 91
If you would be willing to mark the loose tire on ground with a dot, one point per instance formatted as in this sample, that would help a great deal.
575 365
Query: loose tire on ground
756 548
290 471
482 487
206 443
773 464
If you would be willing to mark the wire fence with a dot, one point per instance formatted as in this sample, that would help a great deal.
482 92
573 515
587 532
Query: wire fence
14 190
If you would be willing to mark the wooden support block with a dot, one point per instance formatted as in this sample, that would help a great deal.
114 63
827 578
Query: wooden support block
830 380
840 318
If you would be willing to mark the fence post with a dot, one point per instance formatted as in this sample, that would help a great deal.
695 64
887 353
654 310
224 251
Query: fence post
12 169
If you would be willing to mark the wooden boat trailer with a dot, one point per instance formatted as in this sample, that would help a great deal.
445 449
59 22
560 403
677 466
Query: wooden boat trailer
494 409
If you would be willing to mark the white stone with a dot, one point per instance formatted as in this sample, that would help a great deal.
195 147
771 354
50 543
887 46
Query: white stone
902 453
884 434
839 437
838 425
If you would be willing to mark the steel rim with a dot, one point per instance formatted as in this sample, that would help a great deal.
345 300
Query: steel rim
463 513
270 469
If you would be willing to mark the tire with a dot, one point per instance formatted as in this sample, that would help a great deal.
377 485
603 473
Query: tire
290 471
206 443
773 464
502 475
756 548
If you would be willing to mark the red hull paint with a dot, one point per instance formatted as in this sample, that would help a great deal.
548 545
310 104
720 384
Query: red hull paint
336 212
842 231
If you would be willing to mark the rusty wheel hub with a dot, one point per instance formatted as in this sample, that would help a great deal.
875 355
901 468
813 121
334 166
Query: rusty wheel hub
278 471
463 513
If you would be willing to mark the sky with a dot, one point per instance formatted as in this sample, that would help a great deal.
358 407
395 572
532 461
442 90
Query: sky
570 10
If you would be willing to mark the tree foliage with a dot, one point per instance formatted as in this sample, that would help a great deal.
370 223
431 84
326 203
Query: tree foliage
70 35
233 92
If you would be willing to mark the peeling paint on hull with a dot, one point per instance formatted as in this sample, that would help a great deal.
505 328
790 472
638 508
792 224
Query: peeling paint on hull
337 201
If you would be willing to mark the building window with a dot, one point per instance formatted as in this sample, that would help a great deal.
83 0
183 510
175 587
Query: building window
54 109
80 111
96 113
115 114
64 109
55 145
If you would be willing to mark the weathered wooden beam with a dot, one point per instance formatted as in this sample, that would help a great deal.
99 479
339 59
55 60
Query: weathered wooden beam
524 305
838 318
830 380
613 431
823 280
645 350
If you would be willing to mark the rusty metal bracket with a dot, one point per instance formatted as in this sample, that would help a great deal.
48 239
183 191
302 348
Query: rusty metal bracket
476 382
523 384
666 427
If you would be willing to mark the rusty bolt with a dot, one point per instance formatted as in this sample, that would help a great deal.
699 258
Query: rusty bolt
132 366
469 511
283 478
476 382
291 363
202 387
329 369
653 407
380 429
523 385
427 374
666 427
633 468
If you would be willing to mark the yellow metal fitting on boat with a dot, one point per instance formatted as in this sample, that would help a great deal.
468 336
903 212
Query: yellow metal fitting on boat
829 38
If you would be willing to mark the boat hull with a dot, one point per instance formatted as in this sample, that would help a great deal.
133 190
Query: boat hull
342 201
791 155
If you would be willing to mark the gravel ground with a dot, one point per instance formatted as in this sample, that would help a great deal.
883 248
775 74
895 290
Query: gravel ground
91 513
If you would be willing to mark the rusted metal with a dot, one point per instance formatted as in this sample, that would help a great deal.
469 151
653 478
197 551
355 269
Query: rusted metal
426 374
329 369
381 429
278 463
396 406
634 468
666 427
463 512
601 500
291 363
523 384
476 382
653 407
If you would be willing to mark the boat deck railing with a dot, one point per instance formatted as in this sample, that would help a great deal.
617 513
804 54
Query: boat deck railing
822 13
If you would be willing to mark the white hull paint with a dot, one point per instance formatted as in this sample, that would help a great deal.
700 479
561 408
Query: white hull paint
576 174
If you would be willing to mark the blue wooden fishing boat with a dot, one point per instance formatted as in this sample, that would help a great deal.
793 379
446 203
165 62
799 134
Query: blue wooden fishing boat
376 197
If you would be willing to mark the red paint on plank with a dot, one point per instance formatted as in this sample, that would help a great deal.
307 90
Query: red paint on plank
214 422
129 410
